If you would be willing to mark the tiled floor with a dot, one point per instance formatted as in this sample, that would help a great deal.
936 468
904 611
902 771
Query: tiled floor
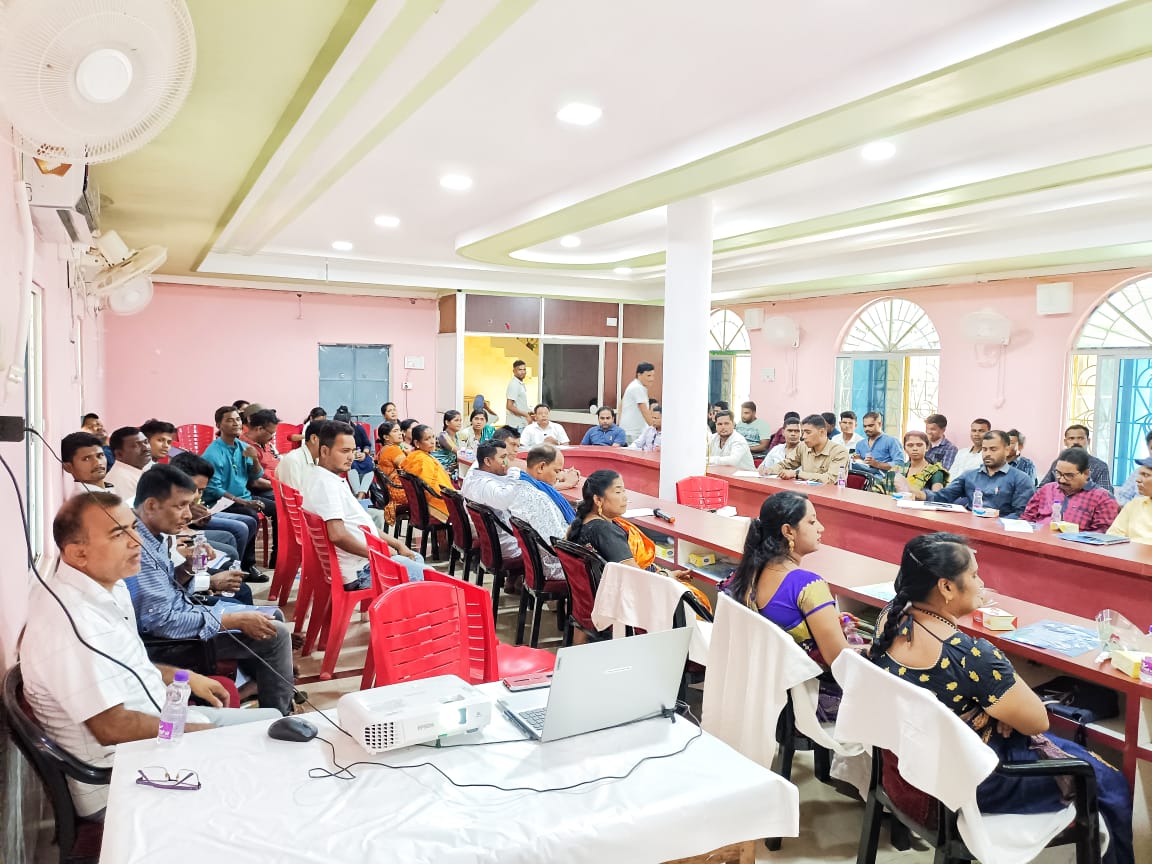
830 822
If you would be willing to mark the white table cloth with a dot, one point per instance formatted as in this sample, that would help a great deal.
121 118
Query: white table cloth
258 804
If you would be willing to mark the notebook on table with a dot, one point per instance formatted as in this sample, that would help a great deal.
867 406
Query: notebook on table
604 684
1093 538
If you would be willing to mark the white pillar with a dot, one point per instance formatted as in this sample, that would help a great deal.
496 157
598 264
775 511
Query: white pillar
687 304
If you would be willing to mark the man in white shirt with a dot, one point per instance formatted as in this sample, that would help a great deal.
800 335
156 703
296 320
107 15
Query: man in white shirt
634 411
729 447
787 450
971 460
86 702
330 497
294 466
133 458
848 436
543 430
649 440
517 397
488 483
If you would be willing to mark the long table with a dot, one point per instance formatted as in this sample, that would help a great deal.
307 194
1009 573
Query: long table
847 572
258 803
1070 577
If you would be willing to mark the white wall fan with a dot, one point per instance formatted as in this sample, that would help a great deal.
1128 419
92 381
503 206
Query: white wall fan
117 276
82 82
87 81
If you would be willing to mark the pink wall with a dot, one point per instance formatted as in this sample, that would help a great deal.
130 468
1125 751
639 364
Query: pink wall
195 348
63 385
1035 391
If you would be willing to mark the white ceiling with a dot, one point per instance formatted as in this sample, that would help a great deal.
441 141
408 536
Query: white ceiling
677 81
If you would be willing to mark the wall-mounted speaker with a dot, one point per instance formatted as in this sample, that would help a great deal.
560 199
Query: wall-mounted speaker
1054 298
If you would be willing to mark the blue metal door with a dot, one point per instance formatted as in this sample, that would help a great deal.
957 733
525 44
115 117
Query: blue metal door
356 376
869 386
1133 414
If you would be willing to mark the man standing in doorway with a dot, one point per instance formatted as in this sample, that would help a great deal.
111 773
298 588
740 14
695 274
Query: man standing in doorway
517 396
635 414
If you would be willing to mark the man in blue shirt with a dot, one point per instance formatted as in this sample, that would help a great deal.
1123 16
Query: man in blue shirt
236 465
607 434
880 452
1005 489
164 609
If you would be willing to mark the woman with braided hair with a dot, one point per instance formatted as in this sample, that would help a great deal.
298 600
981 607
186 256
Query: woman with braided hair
771 580
918 639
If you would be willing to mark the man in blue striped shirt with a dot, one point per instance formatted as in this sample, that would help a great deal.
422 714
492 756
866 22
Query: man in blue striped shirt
164 608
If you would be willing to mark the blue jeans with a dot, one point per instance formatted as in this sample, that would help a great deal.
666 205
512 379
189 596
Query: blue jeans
414 566
243 529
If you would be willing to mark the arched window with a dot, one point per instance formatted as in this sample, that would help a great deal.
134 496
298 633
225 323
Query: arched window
890 362
1112 377
729 359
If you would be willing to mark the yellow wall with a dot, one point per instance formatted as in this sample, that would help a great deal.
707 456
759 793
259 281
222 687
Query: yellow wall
488 368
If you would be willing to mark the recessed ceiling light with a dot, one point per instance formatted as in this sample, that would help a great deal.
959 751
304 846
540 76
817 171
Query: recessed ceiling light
579 114
623 271
878 151
571 241
342 246
385 221
456 182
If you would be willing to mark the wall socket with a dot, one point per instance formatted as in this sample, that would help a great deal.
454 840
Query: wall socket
407 385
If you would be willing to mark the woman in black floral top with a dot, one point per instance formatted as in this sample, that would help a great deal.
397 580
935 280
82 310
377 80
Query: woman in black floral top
918 640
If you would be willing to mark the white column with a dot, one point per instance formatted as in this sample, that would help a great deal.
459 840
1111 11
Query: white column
687 304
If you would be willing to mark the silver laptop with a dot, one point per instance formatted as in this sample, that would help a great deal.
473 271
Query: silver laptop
604 684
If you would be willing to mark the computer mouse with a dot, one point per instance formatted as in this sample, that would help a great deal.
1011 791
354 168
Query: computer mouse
292 729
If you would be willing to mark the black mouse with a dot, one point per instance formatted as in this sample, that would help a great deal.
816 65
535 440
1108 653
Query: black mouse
292 729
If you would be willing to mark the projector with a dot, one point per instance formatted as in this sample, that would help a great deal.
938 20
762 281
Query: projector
400 715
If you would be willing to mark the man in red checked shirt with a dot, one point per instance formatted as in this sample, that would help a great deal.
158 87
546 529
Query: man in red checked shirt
1081 501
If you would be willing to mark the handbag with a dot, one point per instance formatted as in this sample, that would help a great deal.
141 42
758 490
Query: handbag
1080 702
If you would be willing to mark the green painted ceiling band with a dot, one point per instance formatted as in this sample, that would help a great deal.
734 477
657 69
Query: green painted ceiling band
503 16
408 21
836 285
1112 37
338 38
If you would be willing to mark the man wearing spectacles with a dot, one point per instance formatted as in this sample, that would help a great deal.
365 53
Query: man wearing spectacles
1081 501
85 701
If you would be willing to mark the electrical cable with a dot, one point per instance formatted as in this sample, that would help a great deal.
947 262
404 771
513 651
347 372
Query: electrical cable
344 772
298 696
55 596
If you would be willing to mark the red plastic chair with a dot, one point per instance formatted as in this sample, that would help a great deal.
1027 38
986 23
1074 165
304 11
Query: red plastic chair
465 546
194 437
419 630
488 658
283 430
488 529
289 554
340 603
703 493
583 569
386 574
538 588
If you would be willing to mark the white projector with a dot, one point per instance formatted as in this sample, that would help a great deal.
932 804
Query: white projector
400 715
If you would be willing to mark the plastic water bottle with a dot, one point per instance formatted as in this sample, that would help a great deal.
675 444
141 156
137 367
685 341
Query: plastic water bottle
855 640
842 477
175 710
1057 515
1146 670
978 502
200 552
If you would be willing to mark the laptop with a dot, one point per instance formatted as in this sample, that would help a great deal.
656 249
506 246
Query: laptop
604 684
